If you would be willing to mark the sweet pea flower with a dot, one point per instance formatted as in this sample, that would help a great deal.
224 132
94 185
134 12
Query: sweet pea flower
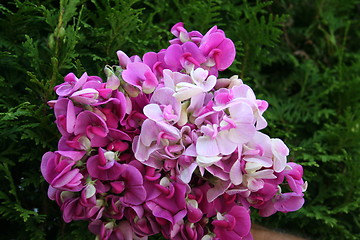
294 178
286 202
280 152
165 146
170 205
111 230
90 124
259 198
190 231
140 75
201 83
65 113
124 60
135 193
183 36
85 96
163 107
241 115
156 62
71 84
104 166
57 169
219 50
144 225
233 225
185 56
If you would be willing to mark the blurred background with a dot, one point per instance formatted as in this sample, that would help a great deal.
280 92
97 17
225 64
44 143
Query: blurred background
303 57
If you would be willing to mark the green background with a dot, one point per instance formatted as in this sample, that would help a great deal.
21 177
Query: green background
301 56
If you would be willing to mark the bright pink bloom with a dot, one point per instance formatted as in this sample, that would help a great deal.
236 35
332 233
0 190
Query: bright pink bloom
104 166
57 170
233 225
90 124
184 56
140 75
71 84
218 49
65 113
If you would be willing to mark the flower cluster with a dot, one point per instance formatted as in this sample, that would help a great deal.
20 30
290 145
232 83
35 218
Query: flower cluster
165 146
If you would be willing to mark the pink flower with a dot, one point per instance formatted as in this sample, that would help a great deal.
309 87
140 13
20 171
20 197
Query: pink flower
218 49
57 169
184 56
233 225
111 231
71 84
183 36
144 225
90 124
169 207
124 60
156 62
140 75
65 113
85 96
286 202
104 166
294 178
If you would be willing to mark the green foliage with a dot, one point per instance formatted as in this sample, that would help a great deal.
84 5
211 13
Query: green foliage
301 56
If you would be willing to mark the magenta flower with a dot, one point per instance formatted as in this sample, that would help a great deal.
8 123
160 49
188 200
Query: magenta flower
111 231
65 113
135 193
104 166
286 202
183 36
124 60
71 84
233 225
90 124
145 225
57 169
184 56
170 206
140 75
218 49
85 96
294 178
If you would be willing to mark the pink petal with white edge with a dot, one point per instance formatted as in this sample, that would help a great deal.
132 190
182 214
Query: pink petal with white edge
135 73
153 112
186 173
280 152
123 59
150 82
219 188
204 161
205 146
236 175
242 133
264 174
226 146
241 113
70 117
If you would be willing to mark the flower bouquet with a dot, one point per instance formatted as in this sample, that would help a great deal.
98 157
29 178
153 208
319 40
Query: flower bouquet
166 146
